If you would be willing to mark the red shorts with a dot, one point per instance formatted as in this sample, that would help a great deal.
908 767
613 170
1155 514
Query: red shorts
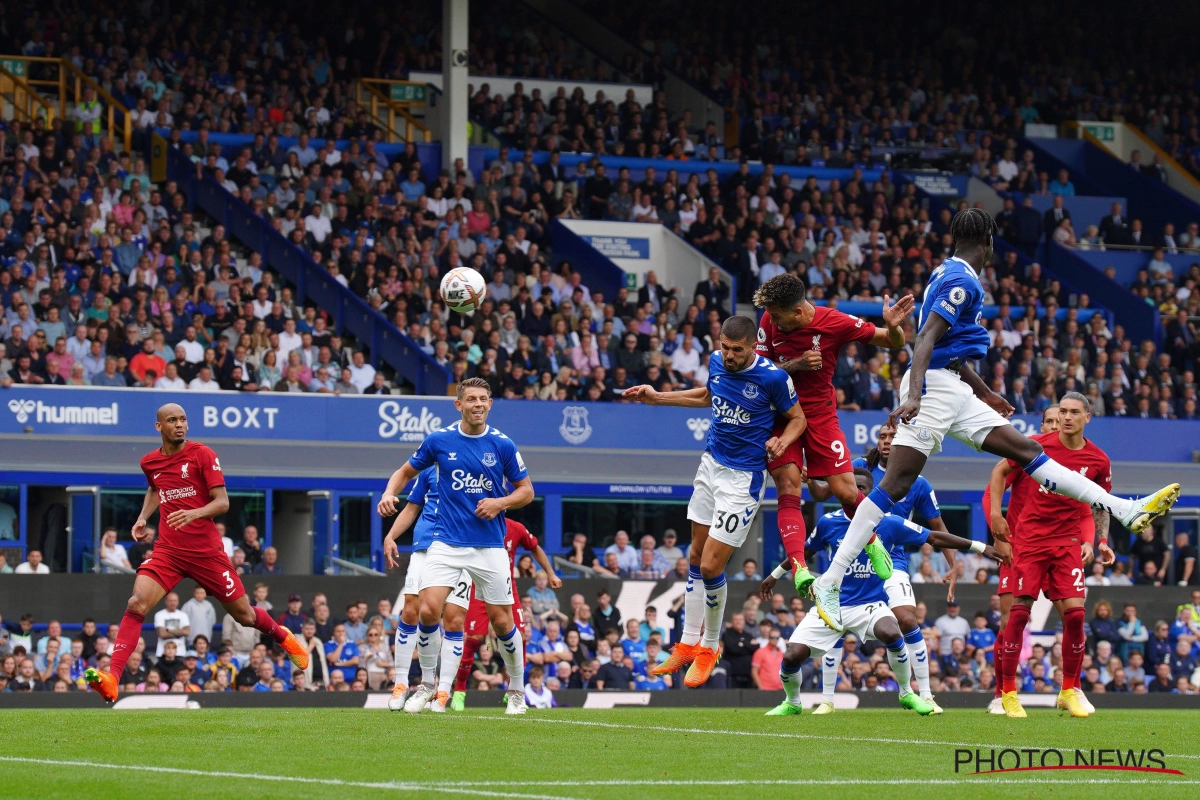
1056 570
822 448
477 621
213 571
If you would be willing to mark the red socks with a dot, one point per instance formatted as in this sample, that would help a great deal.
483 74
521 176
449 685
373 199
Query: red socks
467 664
997 660
1072 647
1018 618
791 528
127 639
852 508
264 623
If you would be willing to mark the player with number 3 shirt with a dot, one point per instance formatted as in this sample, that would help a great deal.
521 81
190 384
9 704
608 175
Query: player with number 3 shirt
187 488
805 341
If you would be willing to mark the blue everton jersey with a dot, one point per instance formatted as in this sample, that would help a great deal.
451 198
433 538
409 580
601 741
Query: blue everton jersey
955 294
861 585
744 407
920 498
469 468
424 494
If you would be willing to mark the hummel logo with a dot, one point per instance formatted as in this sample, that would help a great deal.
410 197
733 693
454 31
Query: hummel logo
452 456
710 600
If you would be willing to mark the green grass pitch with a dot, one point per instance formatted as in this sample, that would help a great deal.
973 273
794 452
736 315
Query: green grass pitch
568 754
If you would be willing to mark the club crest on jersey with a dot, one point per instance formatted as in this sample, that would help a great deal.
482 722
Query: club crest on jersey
729 413
575 428
816 345
183 470
750 391
489 459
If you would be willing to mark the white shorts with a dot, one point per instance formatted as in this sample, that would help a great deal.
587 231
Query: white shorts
460 596
487 567
859 620
726 500
899 590
948 408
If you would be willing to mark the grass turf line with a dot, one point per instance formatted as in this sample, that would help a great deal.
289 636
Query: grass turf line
657 753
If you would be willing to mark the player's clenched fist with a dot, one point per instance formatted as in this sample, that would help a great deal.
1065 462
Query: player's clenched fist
809 361
775 448
387 505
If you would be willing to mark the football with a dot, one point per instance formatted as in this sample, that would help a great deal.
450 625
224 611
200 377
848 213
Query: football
463 289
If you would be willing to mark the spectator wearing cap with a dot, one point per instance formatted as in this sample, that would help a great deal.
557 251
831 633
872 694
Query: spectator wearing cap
293 619
669 549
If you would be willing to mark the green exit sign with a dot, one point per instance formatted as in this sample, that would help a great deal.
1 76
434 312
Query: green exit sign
630 281
409 92
16 67
1103 132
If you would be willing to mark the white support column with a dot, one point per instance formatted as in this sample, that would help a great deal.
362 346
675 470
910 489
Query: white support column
454 82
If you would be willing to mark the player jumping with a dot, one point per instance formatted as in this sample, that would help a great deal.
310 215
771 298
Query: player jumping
187 486
745 392
866 614
921 501
422 507
944 397
804 340
1053 549
473 460
515 535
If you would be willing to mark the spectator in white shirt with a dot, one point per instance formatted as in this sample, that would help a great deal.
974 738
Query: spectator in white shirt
362 374
537 694
317 224
33 566
192 349
951 626
112 555
171 624
289 340
79 346
204 382
171 379
686 360
201 616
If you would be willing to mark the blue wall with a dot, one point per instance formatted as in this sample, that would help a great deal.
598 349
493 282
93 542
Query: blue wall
1128 262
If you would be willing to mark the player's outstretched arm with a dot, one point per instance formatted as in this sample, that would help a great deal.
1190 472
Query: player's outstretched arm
389 502
950 554
767 587
218 505
940 539
149 506
934 328
404 520
522 495
996 520
892 336
697 397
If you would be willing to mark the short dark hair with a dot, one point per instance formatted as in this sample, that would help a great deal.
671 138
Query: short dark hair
782 291
866 473
972 226
739 329
473 383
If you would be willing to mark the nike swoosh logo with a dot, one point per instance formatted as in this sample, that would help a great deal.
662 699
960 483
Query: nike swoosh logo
776 344
839 463
156 475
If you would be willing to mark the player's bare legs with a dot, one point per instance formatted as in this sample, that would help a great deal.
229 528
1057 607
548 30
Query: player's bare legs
254 617
512 650
685 650
147 593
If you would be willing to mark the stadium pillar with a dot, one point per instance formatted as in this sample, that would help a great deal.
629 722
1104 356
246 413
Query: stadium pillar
454 77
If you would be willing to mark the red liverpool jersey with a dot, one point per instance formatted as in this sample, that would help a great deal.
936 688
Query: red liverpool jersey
185 481
1048 519
517 535
828 333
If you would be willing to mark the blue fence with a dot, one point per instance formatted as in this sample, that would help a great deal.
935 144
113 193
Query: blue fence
350 312
395 419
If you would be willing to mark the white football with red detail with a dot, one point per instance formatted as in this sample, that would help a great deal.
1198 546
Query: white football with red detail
463 289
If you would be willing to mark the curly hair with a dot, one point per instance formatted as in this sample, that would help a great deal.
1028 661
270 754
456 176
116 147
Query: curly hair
782 291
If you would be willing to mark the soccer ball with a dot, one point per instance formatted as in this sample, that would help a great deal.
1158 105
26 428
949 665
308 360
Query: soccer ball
463 289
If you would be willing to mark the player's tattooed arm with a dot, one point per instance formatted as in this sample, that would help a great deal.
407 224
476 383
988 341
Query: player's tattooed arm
935 327
1101 519
697 397
892 336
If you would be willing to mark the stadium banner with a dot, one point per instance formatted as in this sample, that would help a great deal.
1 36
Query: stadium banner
408 419
564 698
939 184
